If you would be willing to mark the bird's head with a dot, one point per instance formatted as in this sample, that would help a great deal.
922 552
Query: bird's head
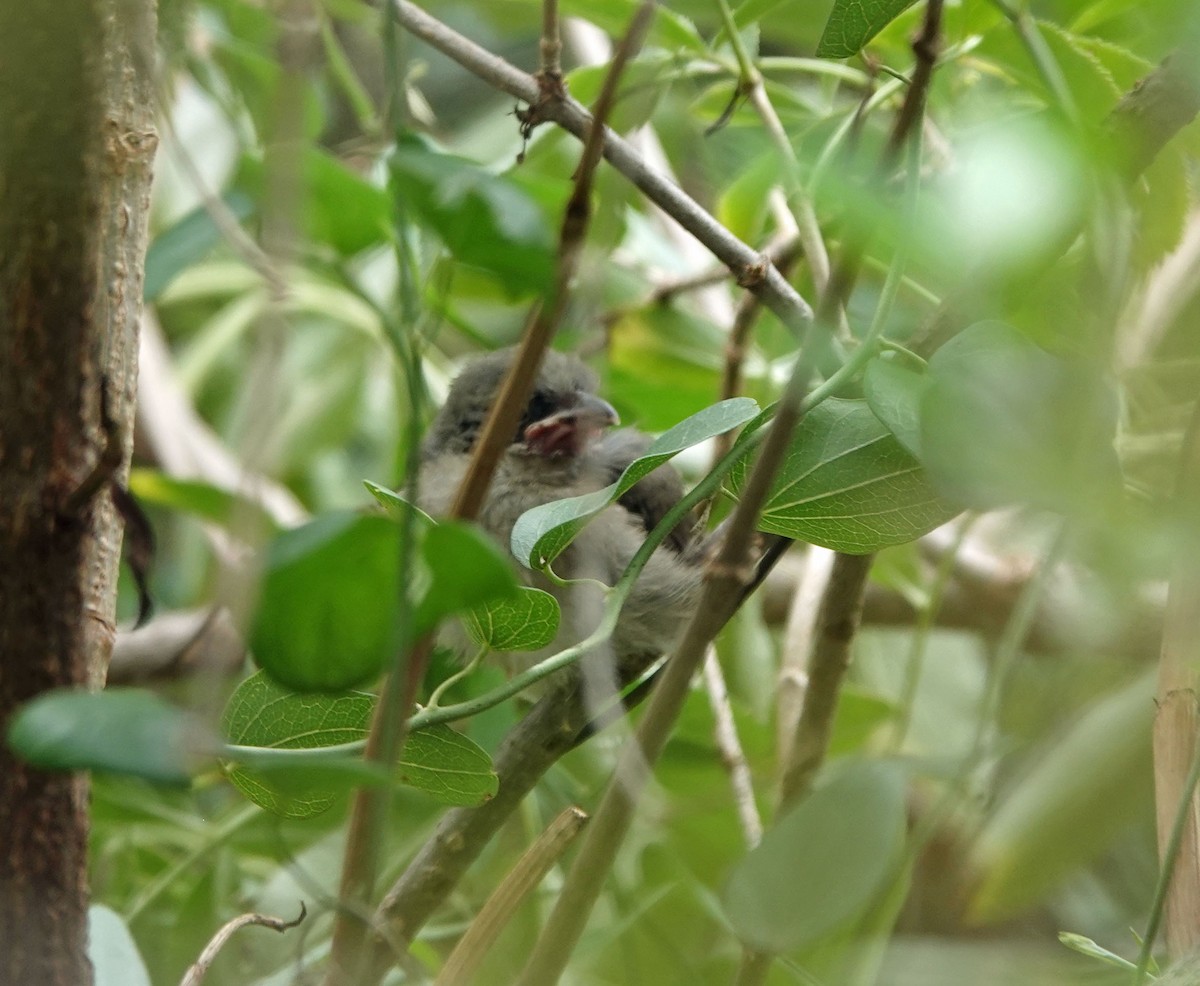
562 416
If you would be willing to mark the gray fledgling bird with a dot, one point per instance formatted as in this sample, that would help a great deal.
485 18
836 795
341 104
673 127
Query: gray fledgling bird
562 448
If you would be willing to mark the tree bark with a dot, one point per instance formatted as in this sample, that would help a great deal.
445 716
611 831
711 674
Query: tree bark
74 188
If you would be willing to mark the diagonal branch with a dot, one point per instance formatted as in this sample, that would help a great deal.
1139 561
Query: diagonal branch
749 267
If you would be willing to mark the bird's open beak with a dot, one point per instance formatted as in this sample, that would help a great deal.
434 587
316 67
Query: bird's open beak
566 432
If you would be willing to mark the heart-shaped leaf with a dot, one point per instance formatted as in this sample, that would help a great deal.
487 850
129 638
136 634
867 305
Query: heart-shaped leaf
542 533
263 714
894 393
526 622
848 484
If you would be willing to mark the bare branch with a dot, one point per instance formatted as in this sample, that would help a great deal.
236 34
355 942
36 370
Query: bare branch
729 745
200 967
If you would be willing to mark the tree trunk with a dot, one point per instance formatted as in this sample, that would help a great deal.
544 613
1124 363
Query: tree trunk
75 104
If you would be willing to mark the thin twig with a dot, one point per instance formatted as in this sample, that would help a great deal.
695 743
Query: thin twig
837 624
550 47
729 745
200 967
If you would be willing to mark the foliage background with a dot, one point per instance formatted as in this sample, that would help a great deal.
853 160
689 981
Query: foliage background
323 134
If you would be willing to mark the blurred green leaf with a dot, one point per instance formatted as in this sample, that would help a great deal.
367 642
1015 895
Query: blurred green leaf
328 609
121 730
112 951
852 23
485 220
208 502
824 862
187 242
1003 421
395 505
894 392
541 534
526 622
848 484
467 570
1085 946
1080 791
340 209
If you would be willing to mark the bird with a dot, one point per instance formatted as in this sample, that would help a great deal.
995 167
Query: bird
564 446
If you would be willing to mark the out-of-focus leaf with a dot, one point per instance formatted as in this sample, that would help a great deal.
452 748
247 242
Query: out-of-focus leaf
824 862
848 484
640 92
485 220
261 713
1085 946
540 534
526 622
1003 421
187 242
121 730
154 488
858 716
852 23
112 951
663 362
328 612
670 29
395 505
466 569
340 209
894 392
1080 792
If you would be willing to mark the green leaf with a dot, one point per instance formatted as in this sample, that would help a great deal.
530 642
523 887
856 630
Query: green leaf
526 622
121 731
893 393
328 612
824 862
204 500
1003 421
112 951
852 23
1080 792
848 484
395 505
261 713
467 570
485 220
187 242
341 209
447 766
541 534
1085 946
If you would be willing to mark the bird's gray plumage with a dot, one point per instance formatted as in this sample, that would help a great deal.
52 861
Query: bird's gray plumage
664 595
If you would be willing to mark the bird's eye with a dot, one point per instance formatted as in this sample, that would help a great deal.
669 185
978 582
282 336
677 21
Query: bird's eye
541 405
